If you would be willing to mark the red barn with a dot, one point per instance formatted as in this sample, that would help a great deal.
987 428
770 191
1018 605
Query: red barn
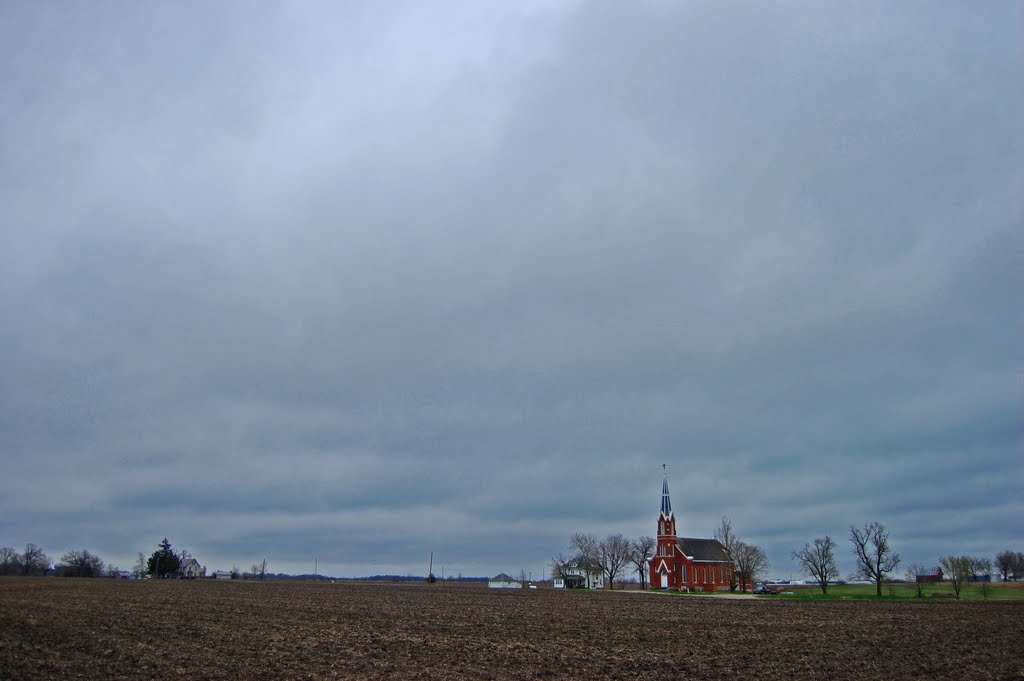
687 563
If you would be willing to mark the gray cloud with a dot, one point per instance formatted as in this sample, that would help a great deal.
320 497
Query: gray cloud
364 283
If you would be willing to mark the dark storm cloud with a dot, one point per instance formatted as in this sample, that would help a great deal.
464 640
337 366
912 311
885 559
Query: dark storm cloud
369 283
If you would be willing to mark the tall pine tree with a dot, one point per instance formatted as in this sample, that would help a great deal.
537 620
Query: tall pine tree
164 561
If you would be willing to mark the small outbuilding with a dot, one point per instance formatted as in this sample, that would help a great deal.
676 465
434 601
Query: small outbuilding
503 581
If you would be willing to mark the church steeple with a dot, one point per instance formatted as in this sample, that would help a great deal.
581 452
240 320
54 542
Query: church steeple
666 502
666 521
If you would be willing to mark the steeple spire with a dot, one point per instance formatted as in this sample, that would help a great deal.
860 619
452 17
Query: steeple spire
666 503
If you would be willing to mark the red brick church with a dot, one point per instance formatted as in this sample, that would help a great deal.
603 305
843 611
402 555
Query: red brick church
686 563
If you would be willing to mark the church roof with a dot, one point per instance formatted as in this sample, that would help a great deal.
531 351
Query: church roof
703 549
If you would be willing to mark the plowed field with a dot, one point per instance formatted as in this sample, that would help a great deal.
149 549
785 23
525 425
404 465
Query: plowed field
104 629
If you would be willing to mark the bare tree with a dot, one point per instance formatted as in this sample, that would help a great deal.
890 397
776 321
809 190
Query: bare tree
559 566
981 571
259 570
981 567
724 533
819 561
588 555
957 569
875 558
1016 566
81 564
749 561
614 553
641 550
911 576
1005 562
140 566
10 561
33 561
727 538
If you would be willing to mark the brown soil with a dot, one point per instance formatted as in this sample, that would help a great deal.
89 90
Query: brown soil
69 628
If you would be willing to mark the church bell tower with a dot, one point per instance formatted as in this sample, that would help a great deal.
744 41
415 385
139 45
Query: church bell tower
663 564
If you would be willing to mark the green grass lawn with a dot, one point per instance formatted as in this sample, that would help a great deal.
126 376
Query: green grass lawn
999 591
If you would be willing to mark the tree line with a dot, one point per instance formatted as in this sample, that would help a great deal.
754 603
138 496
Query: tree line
33 561
876 561
959 569
163 563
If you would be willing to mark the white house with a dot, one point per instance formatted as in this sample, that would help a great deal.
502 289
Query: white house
575 575
503 581
191 569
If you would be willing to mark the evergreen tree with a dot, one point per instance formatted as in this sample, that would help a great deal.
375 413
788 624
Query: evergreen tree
164 561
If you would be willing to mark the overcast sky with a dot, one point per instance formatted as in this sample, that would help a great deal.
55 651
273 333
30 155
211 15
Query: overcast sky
361 281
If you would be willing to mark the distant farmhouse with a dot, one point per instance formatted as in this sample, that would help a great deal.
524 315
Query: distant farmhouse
577 574
191 569
687 563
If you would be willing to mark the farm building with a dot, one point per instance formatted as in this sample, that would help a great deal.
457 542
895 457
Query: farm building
503 581
191 569
576 575
686 563
931 576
